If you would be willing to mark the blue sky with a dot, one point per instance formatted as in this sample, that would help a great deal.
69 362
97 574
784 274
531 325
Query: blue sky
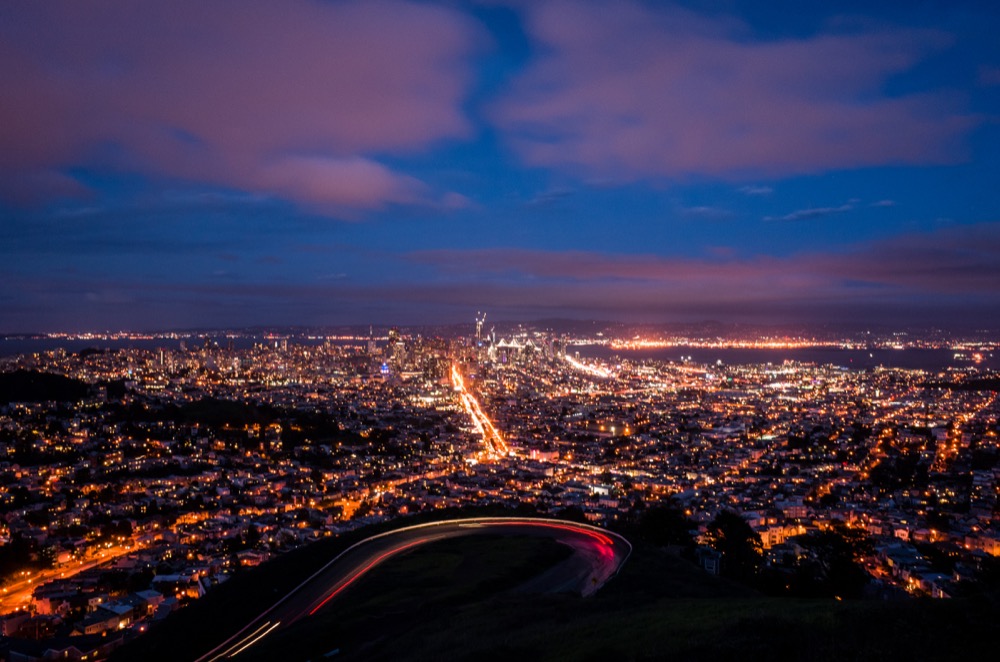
167 165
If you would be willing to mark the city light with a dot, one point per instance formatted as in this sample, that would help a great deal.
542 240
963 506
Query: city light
332 435
593 370
491 436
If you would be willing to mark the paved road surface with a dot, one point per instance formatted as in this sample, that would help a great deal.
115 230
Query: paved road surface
597 557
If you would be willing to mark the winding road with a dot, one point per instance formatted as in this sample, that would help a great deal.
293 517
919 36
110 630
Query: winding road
597 557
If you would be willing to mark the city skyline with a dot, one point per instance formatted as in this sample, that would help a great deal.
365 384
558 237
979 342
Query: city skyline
340 163
213 500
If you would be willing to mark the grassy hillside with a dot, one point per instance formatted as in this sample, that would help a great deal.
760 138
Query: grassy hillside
428 606
454 600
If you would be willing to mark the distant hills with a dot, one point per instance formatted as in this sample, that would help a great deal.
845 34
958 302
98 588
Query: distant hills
697 328
983 384
31 386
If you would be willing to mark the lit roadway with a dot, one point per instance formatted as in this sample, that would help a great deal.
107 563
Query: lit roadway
482 423
591 369
597 556
17 595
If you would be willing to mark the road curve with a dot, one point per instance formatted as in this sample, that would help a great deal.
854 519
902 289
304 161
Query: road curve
598 555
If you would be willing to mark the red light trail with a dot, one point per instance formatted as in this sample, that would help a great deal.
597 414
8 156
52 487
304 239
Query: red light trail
357 575
599 537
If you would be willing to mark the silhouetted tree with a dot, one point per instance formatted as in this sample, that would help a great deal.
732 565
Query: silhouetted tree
740 546
665 525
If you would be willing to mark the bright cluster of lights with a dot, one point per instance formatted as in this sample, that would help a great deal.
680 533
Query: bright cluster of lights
480 421
594 370
760 343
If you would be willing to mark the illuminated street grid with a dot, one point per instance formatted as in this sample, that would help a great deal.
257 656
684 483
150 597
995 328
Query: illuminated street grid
132 508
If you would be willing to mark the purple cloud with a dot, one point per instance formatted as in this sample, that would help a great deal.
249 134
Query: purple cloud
346 182
291 99
963 260
626 91
954 271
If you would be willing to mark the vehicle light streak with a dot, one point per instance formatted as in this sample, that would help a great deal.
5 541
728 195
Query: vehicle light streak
593 370
480 421
247 641
302 601
599 537
358 574
255 640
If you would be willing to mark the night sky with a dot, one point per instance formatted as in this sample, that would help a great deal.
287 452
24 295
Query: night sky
190 163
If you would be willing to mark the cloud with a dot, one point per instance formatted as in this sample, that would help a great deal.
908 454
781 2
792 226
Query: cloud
31 187
820 212
943 277
960 261
550 197
756 190
989 76
815 212
706 212
242 95
629 91
349 182
456 201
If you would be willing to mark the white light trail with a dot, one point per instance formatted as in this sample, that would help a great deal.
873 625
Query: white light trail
255 640
247 641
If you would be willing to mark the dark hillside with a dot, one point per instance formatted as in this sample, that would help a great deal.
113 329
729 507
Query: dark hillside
31 386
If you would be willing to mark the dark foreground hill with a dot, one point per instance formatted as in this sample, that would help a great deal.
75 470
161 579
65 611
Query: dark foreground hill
458 600
31 386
